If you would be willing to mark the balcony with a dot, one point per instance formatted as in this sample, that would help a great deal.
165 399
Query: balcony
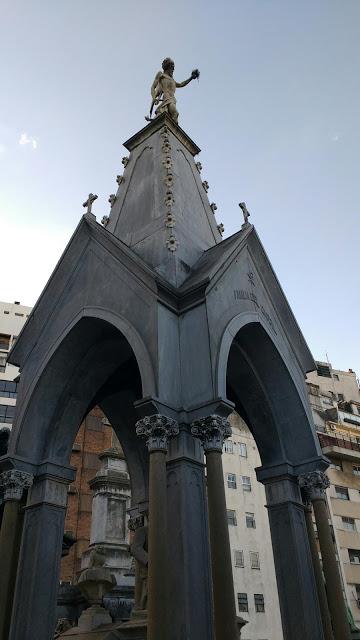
337 447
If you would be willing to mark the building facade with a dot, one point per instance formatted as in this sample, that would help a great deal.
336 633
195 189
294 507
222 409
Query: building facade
335 402
12 319
253 563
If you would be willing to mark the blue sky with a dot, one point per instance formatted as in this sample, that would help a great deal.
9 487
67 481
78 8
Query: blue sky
276 114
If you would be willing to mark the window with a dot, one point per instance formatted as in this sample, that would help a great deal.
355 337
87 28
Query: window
242 602
259 602
243 448
354 556
2 363
231 517
250 521
323 370
254 560
356 469
8 389
342 493
228 446
239 558
246 483
4 341
341 397
336 464
7 312
231 480
348 523
21 315
7 413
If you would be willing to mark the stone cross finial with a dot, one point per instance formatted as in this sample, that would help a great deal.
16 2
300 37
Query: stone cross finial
157 430
211 431
246 214
314 484
88 203
13 483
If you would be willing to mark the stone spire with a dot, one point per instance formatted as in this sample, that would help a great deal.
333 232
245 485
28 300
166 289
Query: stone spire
161 209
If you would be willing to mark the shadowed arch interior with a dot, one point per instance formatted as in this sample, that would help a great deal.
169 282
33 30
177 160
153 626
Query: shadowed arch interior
93 365
265 396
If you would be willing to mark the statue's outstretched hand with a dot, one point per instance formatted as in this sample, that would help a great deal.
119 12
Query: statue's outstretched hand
195 74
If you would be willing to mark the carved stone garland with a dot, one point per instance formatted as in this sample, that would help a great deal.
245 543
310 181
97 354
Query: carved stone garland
169 200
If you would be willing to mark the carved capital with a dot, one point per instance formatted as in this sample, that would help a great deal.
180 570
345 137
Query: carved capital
314 484
14 482
135 522
157 430
212 431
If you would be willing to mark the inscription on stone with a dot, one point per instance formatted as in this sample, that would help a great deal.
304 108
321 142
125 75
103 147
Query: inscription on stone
242 294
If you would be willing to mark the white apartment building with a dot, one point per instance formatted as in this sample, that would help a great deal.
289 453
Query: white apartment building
12 319
253 564
335 402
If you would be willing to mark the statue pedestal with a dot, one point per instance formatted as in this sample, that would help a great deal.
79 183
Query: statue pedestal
93 617
132 630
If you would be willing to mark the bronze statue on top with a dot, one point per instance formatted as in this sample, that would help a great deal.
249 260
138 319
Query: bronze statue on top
163 90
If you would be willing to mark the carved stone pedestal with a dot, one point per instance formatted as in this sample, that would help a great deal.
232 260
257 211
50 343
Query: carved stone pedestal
132 630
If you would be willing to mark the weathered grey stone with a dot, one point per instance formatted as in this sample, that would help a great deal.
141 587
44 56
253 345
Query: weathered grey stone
141 330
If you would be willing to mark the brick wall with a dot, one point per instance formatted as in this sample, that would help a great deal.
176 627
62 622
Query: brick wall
92 438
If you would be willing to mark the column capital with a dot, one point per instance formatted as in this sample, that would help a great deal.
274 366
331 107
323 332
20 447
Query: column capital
211 431
157 431
13 483
314 484
135 522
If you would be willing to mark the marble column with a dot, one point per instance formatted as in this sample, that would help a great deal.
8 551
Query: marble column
33 615
13 484
157 430
315 483
320 585
212 431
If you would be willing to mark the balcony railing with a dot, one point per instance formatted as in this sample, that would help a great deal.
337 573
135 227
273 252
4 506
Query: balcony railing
336 441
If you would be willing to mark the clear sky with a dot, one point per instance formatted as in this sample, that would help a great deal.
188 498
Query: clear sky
276 113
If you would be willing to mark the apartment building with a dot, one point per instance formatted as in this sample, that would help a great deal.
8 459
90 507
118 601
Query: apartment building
12 319
253 564
335 402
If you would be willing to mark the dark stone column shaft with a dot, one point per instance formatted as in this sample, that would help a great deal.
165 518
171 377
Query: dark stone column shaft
211 431
157 430
157 569
324 607
331 572
314 485
223 585
299 605
10 538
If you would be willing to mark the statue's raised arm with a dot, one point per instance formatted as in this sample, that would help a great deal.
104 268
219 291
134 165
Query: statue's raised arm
163 90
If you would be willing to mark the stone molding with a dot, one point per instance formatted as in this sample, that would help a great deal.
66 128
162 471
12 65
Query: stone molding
13 483
314 484
211 431
157 430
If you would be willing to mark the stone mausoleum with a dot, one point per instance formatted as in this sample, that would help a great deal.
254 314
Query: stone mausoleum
168 328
